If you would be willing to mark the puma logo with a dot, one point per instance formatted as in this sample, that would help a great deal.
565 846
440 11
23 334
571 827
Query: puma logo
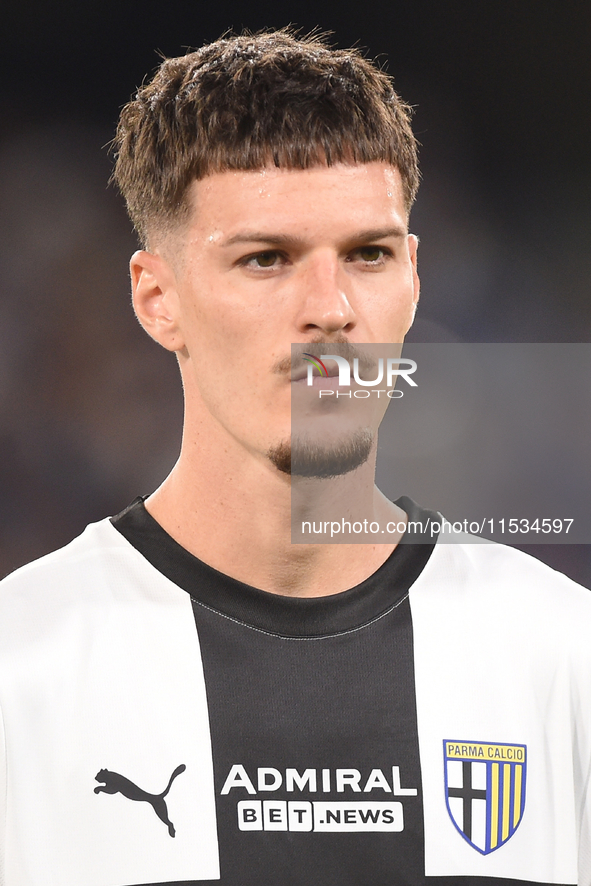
118 784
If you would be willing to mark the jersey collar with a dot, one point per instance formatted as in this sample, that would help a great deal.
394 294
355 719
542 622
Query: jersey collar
303 617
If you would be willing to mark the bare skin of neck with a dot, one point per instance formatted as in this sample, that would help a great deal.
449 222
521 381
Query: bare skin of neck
234 512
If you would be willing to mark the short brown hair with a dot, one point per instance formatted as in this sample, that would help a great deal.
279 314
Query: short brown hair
248 101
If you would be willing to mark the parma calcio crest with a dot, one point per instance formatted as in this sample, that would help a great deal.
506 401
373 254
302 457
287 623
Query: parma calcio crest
485 790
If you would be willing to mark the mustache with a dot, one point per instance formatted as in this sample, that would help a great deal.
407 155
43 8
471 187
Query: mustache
340 347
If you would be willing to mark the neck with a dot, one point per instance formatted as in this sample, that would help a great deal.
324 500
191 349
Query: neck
234 511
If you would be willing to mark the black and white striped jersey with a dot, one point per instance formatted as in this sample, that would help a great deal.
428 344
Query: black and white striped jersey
163 723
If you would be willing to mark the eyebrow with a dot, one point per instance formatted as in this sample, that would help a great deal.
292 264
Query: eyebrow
365 236
380 233
261 237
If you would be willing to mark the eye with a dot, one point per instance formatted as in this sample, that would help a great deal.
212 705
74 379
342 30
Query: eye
268 259
371 254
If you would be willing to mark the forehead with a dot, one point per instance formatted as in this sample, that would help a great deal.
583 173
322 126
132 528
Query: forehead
360 195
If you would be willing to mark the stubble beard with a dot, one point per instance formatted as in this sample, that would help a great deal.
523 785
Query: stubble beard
303 458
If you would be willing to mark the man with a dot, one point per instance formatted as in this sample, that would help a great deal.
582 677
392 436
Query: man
187 696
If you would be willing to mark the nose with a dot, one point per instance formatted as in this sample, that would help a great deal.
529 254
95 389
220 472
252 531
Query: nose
324 304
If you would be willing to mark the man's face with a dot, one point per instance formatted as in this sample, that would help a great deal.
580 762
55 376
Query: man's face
276 257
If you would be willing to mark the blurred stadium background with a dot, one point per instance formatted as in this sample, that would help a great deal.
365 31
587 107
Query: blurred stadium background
90 408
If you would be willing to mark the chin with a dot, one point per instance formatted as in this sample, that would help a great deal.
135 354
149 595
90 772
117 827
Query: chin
305 458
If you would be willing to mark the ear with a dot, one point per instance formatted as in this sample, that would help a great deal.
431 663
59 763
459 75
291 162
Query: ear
155 298
413 246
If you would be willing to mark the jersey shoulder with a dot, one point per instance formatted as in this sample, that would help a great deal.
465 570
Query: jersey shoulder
91 545
493 583
96 571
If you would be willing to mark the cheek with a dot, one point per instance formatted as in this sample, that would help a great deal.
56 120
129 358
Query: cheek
210 324
394 314
221 310
223 351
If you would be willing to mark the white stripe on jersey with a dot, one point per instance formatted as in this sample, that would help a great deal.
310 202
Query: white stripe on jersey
503 654
101 669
